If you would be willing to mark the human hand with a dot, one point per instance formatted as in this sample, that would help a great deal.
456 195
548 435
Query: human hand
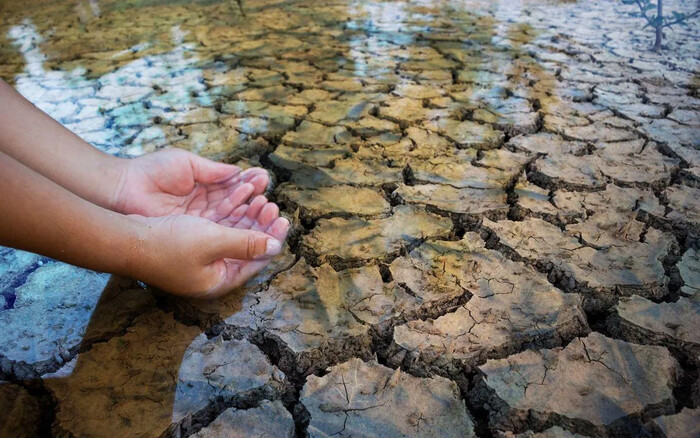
174 181
195 257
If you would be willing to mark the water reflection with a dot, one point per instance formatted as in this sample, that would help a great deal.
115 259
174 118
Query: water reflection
115 113
118 111
87 10
348 95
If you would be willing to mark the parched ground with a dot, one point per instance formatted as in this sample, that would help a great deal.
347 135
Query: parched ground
496 211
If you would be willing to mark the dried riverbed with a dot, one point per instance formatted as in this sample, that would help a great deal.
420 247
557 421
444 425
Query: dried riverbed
496 213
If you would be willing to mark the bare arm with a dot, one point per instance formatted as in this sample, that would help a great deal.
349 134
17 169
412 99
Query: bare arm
36 140
167 182
179 253
42 217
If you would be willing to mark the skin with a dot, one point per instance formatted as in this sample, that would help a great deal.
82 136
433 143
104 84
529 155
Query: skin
172 219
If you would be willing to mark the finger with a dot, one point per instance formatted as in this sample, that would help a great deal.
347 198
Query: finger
267 215
232 243
236 215
260 182
247 175
217 192
253 172
279 229
217 210
237 198
245 223
208 171
255 206
237 274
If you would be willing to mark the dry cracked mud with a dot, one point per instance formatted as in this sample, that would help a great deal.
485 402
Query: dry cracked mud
359 398
269 419
594 386
512 307
495 209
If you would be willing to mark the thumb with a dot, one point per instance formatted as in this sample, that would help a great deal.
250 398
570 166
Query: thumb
208 171
232 243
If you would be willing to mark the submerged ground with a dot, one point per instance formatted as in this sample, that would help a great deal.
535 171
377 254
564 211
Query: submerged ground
496 208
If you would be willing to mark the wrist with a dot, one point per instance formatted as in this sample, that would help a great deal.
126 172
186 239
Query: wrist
133 252
116 170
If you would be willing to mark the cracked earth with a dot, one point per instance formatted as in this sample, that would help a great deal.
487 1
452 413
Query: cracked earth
495 209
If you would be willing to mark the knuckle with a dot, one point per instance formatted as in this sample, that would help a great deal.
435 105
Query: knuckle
251 246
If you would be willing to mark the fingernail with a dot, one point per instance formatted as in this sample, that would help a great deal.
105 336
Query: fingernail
273 248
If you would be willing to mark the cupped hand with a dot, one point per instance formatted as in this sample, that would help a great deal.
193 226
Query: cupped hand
195 257
203 238
174 181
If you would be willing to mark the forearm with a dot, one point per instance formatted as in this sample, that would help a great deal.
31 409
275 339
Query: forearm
36 140
42 217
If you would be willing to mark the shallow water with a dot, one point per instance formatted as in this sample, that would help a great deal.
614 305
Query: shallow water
399 135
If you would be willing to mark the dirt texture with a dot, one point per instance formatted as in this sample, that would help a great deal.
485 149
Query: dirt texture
494 206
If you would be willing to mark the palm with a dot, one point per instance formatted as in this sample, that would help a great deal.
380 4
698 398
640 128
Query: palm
262 216
268 221
176 182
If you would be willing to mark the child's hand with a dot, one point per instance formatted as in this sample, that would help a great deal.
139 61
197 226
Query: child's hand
174 181
186 225
194 257
203 239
